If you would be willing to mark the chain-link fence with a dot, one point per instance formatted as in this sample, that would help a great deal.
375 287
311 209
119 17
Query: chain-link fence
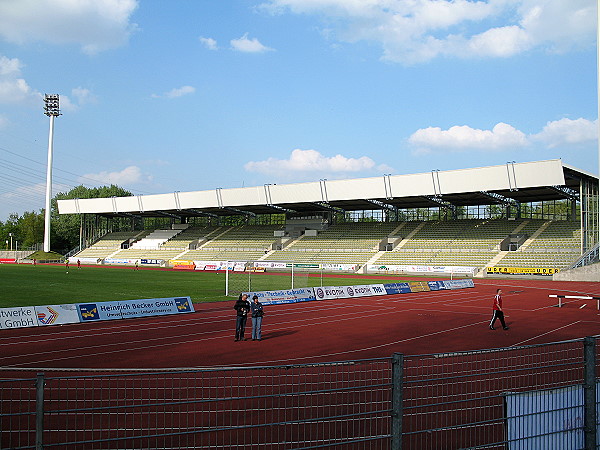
530 397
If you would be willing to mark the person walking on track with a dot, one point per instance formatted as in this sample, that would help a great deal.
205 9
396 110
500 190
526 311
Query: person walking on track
498 311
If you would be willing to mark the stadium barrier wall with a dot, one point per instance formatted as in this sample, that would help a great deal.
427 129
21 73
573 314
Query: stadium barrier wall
541 396
447 270
355 291
33 316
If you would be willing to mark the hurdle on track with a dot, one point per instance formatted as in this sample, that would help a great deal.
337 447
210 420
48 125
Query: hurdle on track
577 297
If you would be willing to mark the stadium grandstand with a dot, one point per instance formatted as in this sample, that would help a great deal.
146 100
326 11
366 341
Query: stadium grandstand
540 215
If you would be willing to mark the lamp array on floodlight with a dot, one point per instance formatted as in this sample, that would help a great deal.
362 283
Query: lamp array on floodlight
51 105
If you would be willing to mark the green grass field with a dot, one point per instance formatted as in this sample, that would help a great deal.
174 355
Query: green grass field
27 285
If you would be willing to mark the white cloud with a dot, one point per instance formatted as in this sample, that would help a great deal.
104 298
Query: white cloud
13 88
246 45
127 176
81 97
310 161
460 138
176 92
209 43
3 122
563 132
414 31
95 25
568 132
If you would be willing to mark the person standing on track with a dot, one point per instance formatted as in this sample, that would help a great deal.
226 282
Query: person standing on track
257 315
498 311
242 306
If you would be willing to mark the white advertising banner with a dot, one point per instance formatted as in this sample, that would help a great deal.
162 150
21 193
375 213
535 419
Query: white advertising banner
270 265
56 314
220 265
421 269
364 290
73 260
19 317
283 296
341 267
115 261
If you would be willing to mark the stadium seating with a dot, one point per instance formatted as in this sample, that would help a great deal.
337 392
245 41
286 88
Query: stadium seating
471 242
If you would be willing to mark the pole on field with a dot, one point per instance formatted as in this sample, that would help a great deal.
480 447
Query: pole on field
292 275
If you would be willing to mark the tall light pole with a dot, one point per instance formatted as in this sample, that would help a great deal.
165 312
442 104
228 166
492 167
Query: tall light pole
52 110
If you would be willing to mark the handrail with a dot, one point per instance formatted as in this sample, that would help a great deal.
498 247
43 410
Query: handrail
589 257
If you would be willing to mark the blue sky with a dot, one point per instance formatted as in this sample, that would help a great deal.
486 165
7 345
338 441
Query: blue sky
160 96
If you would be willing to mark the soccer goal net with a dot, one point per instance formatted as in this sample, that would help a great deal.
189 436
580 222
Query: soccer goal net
245 277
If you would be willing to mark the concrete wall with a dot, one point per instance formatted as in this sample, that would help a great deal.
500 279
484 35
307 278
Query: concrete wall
586 273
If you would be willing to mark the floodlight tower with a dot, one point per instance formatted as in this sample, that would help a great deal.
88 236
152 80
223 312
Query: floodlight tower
51 109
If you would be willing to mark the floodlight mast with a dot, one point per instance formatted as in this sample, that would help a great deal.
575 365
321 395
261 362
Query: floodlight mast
52 110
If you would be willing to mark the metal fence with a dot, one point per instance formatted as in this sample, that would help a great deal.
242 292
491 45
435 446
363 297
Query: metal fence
530 397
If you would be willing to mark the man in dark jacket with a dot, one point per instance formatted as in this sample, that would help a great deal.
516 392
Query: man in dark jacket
242 306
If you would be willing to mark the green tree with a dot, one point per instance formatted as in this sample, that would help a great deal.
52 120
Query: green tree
65 228
6 229
31 228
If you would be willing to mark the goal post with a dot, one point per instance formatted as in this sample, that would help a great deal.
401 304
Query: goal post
241 276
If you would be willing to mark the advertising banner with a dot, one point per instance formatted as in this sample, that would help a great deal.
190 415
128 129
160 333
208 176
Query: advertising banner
341 267
418 286
208 265
329 292
436 285
19 317
421 269
56 314
396 288
89 312
364 290
270 264
152 262
217 265
155 307
115 261
73 260
283 296
523 270
458 284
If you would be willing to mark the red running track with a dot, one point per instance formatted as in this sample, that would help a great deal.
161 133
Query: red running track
329 330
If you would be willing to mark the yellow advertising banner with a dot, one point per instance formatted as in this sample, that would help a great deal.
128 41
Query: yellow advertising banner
523 270
418 286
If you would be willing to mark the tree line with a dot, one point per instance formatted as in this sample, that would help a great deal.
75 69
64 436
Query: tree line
27 230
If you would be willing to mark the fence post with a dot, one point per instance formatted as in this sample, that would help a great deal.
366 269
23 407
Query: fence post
589 393
397 386
39 411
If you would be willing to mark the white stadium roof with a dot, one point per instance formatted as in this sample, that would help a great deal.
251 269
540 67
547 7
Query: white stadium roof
502 184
